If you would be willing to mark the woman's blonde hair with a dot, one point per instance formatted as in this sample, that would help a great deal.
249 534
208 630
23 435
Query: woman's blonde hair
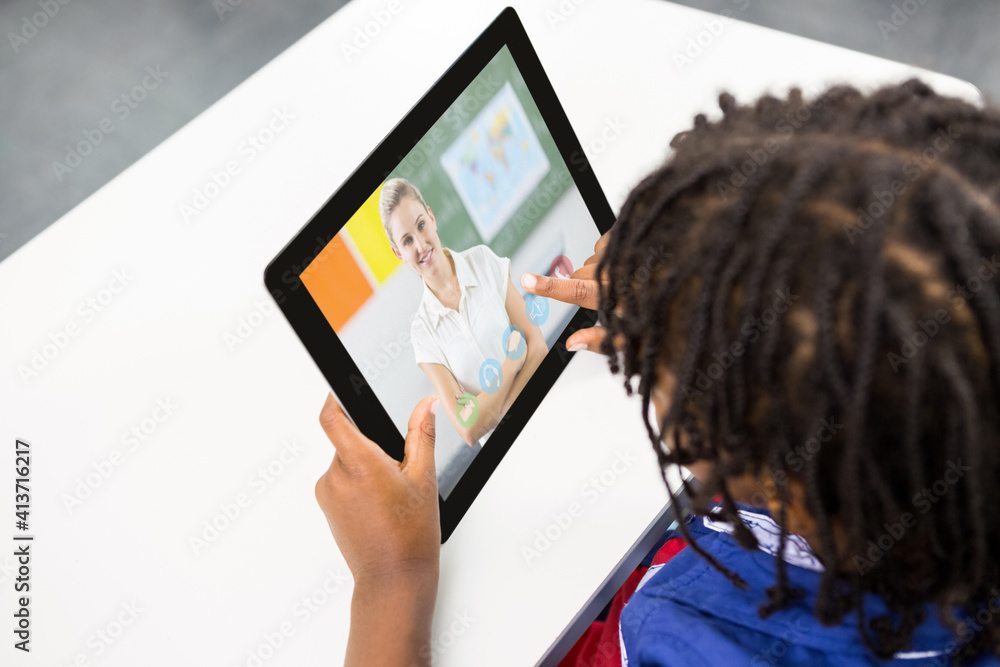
393 192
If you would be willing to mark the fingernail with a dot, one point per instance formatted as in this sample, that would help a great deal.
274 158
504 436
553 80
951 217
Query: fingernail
435 403
577 347
528 281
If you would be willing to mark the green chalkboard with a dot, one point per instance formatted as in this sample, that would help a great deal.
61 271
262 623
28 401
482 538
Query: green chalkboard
423 166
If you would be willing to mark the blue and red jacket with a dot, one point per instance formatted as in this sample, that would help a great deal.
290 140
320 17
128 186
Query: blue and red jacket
677 610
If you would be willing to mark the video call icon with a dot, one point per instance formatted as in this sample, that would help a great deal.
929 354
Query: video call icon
561 267
467 410
536 308
490 376
513 342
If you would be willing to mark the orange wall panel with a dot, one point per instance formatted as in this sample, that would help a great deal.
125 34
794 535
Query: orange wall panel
337 283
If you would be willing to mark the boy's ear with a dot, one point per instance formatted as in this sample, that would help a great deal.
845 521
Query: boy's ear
799 520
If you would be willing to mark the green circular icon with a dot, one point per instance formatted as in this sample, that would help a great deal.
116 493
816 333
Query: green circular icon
467 410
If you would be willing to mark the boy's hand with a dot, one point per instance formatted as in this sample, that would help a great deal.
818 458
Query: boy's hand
383 513
580 289
384 516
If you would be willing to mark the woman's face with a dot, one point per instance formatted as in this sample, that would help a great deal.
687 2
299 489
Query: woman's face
414 233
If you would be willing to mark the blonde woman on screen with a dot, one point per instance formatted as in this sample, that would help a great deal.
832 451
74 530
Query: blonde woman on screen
464 318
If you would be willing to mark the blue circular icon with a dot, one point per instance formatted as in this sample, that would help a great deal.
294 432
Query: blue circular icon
516 350
490 376
536 308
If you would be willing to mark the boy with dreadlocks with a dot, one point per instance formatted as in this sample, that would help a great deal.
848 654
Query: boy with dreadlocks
822 352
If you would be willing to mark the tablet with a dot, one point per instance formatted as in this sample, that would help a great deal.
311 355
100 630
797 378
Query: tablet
407 281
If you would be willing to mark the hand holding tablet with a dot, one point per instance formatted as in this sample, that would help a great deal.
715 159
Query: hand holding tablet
363 483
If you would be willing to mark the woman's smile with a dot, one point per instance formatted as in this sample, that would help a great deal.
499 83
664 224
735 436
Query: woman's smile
427 257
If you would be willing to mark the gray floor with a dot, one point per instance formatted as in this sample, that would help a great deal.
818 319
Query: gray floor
66 79
62 80
957 37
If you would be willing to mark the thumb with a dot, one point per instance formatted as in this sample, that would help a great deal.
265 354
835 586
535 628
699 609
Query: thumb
587 339
418 452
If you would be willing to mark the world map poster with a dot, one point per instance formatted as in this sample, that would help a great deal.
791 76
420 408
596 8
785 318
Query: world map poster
495 163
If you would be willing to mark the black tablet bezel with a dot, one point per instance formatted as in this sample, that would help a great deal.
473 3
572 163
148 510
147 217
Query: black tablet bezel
281 277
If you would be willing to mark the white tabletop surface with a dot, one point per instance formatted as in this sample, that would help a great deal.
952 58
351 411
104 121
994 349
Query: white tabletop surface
120 562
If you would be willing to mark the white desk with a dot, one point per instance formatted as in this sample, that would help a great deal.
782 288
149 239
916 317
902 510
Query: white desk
162 337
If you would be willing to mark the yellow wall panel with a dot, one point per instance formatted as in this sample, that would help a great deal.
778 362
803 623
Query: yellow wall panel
369 238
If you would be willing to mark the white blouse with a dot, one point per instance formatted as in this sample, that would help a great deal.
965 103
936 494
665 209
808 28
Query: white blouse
461 341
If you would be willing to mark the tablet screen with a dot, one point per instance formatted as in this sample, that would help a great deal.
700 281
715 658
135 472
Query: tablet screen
422 285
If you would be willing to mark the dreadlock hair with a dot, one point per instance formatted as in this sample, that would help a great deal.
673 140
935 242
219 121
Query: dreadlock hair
831 259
